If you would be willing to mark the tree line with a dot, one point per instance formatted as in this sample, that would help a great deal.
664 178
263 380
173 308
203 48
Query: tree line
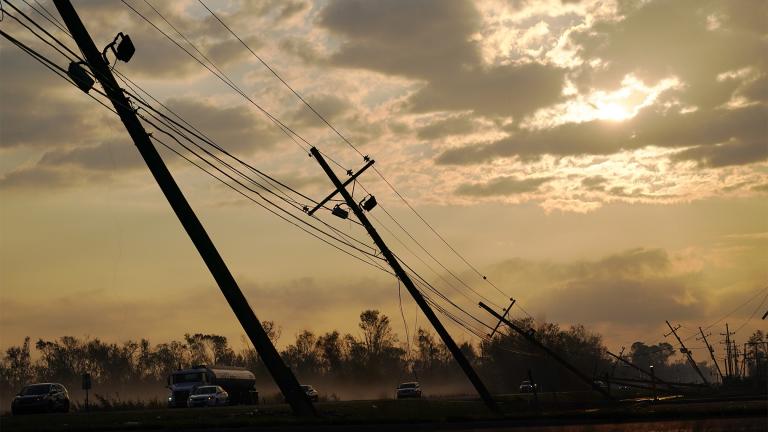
368 364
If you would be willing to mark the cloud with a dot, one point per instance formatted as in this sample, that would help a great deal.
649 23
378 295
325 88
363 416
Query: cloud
40 178
460 125
739 133
331 107
594 182
112 155
432 41
39 109
689 39
501 186
236 128
635 287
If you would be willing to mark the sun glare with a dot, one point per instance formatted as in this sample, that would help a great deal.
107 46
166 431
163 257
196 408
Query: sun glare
618 105
613 111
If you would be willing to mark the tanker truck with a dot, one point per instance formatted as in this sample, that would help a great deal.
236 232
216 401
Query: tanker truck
237 381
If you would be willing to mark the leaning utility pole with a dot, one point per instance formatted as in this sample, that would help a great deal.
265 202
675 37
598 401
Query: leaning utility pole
400 272
528 335
686 351
282 375
711 353
653 377
616 363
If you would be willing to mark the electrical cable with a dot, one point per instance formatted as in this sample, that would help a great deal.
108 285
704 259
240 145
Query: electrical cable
62 73
269 115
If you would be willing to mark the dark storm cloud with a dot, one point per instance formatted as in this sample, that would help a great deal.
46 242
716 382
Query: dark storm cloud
330 106
38 108
451 126
290 8
237 128
156 56
116 155
691 39
720 137
628 301
636 286
431 41
42 178
594 183
501 186
729 153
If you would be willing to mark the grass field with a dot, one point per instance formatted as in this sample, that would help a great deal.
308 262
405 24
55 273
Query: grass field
387 413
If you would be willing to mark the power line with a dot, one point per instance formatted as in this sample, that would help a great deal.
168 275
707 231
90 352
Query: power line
222 76
754 312
62 73
285 129
757 294
236 89
320 116
351 145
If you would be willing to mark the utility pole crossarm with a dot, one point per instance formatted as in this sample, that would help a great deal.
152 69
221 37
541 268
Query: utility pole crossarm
351 178
529 336
282 375
469 371
506 312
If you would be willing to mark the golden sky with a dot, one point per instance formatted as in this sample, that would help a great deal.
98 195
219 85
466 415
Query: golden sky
604 162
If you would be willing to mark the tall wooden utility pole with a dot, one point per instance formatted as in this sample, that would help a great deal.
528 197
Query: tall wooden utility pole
728 361
711 353
686 351
101 71
404 278
528 335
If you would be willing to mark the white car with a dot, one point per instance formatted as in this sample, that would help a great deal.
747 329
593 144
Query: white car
208 396
527 387
311 393
408 390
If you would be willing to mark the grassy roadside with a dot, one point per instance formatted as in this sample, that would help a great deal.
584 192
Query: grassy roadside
374 412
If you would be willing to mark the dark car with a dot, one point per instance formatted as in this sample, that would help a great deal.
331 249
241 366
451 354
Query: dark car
45 397
408 390
311 393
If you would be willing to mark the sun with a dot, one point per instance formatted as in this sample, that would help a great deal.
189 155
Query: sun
612 111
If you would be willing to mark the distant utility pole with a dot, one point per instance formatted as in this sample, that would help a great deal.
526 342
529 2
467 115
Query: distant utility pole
711 352
728 358
399 271
686 351
735 354
744 362
528 335
283 376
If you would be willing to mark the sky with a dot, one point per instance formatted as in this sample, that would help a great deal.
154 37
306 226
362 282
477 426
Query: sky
602 162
